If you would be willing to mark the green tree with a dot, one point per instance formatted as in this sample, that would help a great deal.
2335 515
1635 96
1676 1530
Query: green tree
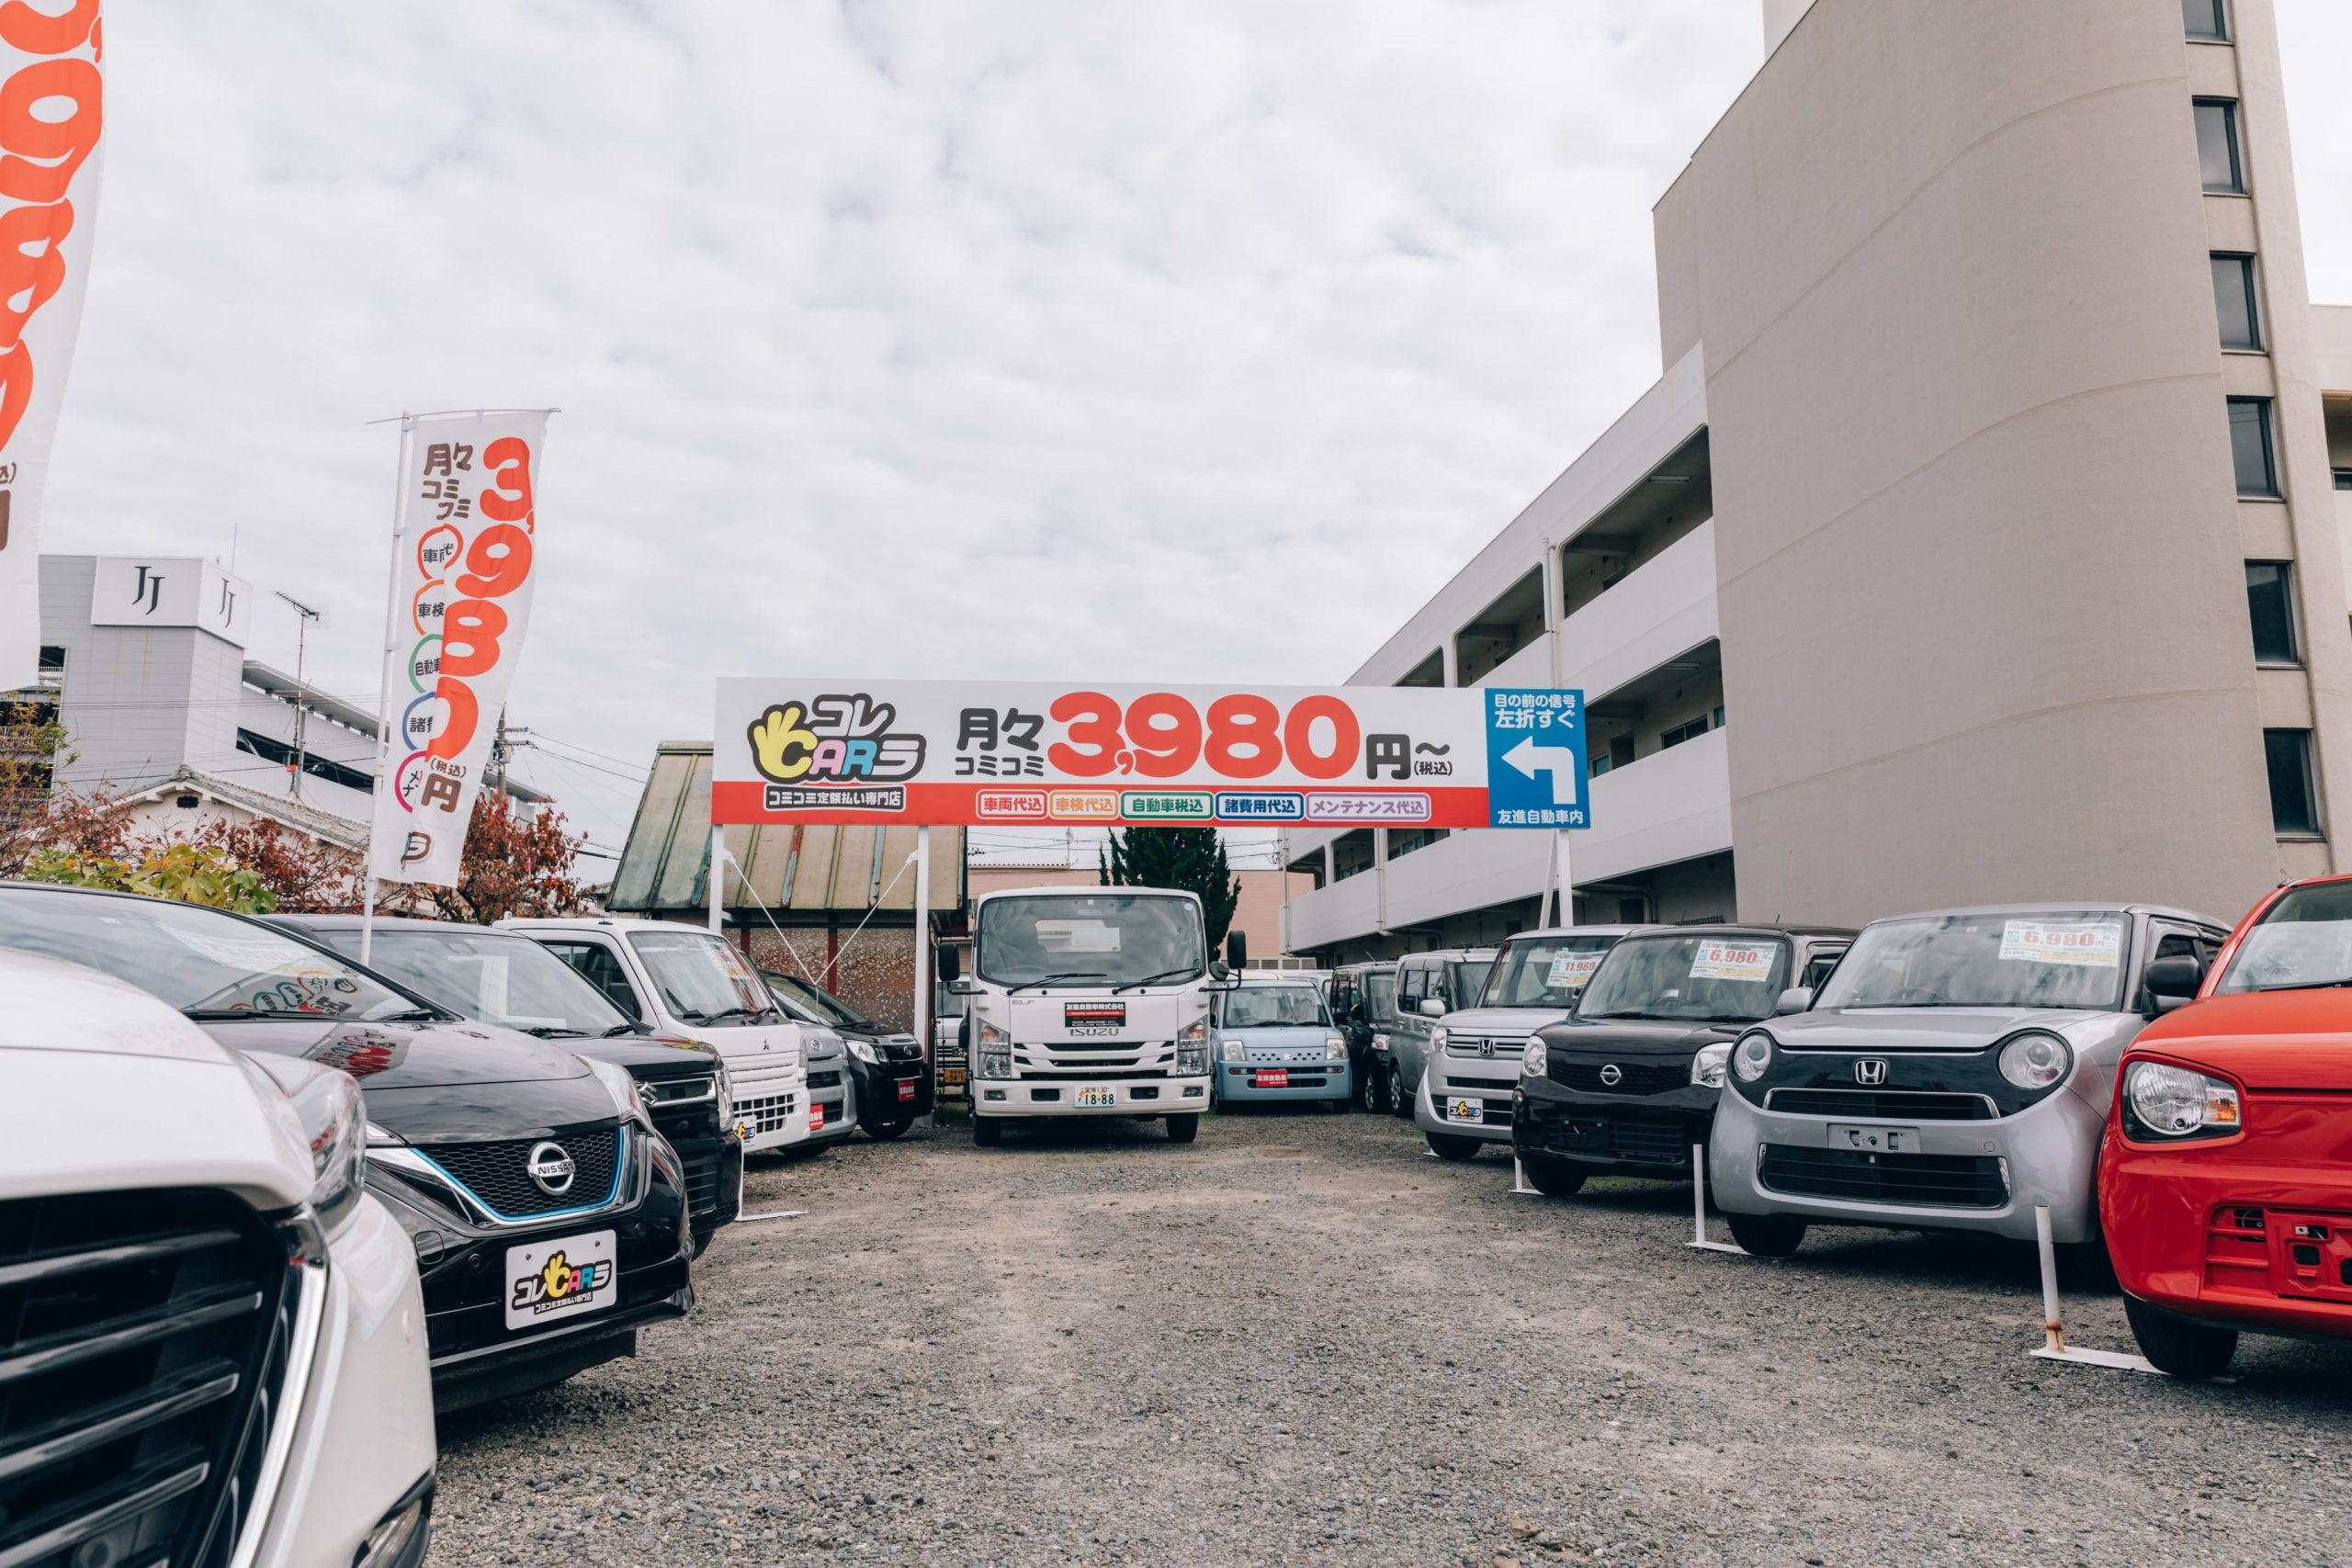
188 872
1191 859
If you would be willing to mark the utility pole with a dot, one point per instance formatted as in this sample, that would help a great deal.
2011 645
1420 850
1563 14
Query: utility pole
301 687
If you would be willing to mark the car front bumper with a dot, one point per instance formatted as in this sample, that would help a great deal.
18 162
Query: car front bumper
1494 1107
1237 1082
1981 1175
1647 1135
1129 1097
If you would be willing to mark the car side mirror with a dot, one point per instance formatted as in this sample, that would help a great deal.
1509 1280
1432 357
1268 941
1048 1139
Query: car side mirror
1237 950
2173 982
963 986
1796 999
951 965
1432 1008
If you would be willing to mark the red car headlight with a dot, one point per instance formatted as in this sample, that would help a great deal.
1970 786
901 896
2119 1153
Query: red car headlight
2163 1103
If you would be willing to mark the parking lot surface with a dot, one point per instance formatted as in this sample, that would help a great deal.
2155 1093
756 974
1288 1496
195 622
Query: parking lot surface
1302 1340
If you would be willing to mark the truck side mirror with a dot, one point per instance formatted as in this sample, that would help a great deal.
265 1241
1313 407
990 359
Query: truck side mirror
1796 999
951 965
1237 950
2172 981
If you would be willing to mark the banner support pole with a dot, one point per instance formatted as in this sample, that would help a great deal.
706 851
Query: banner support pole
384 691
719 877
923 941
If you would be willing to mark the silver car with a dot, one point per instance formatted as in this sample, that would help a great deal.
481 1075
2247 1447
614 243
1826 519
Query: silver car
1464 1099
1430 985
1953 1073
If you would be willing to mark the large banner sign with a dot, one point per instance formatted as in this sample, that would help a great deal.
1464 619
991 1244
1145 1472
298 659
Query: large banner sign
461 602
50 114
972 752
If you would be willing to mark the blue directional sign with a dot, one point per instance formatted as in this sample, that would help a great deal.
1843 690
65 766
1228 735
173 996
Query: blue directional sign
1535 758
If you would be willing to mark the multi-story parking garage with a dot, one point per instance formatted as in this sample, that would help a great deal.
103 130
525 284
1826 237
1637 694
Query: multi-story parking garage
1984 538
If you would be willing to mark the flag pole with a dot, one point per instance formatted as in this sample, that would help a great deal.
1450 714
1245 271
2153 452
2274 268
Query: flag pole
384 689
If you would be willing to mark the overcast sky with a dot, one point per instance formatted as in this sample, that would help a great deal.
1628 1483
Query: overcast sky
1136 342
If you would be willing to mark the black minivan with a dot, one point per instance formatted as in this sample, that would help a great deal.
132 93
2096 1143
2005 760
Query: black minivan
548 1216
1627 1083
892 1078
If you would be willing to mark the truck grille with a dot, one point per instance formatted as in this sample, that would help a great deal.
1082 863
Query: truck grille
764 1113
494 1174
140 1353
1952 1181
1511 1048
1634 1077
1901 1105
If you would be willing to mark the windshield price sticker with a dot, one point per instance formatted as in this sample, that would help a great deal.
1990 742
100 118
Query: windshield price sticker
2097 945
877 753
1732 961
1570 970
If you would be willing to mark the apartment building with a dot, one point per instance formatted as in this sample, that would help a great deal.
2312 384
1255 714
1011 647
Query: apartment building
1984 537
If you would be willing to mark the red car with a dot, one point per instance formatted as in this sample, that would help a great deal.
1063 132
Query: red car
2225 1179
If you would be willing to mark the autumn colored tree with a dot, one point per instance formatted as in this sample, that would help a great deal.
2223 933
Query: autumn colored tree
515 863
36 816
307 876
188 872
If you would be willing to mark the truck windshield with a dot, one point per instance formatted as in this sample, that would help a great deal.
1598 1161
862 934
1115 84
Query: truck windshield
2063 958
2303 940
1117 938
702 980
1701 979
1274 1007
1543 971
1380 996
498 978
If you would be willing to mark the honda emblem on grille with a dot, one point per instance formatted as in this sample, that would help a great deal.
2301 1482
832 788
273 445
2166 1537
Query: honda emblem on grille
1486 1047
550 1168
1870 1070
1613 1074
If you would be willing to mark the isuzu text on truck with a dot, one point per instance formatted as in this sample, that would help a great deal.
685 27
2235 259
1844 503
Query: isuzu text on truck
1088 1002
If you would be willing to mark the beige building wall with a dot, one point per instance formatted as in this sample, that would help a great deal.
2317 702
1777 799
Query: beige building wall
1979 553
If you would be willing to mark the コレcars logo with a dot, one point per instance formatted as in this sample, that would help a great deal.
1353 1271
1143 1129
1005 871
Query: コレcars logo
560 1282
1870 1070
1613 1074
549 1168
839 738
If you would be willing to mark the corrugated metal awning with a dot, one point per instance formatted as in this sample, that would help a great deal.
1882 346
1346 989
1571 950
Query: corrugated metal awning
795 866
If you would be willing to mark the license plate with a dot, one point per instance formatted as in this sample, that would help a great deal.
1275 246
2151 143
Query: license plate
1276 1077
550 1281
1874 1140
906 1092
1093 1099
1584 1134
952 1077
1466 1110
816 1117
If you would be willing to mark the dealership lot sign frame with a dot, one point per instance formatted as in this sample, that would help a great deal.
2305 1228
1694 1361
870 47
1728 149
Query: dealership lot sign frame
973 753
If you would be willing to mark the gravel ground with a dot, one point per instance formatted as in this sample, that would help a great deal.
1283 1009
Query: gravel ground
1299 1340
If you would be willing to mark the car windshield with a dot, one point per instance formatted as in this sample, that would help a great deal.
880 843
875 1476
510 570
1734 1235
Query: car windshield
1470 980
1380 996
2303 940
492 975
702 980
1120 938
1703 979
1543 971
1274 1007
200 961
2061 958
829 1008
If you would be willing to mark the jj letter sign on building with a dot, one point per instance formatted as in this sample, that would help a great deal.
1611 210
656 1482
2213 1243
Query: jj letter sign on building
836 751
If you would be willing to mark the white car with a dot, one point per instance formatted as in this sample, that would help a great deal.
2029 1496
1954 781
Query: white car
213 1339
686 980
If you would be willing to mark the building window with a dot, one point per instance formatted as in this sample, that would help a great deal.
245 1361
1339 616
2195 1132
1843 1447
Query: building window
1597 764
2206 21
2272 611
2250 447
2217 146
2233 302
2344 479
2287 754
1682 732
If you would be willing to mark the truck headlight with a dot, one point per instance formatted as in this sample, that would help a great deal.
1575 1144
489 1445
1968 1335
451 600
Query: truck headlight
1437 1038
1752 1056
2035 1060
321 1107
1536 1059
1335 1049
1193 1048
1707 1068
2165 1102
1230 1049
994 1048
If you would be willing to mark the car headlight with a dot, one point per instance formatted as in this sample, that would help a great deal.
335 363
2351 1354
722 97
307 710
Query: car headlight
1752 1056
1707 1068
725 1099
1380 1042
1229 1049
620 1085
1437 1038
1192 1047
2035 1060
1335 1049
864 1050
2165 1102
1536 1059
321 1107
994 1047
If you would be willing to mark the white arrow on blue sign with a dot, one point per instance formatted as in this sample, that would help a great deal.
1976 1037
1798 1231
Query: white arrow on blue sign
1535 758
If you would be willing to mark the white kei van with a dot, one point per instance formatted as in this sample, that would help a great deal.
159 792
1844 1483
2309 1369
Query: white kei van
687 980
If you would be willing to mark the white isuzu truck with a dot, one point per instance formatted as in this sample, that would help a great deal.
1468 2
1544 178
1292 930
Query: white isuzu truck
1088 1002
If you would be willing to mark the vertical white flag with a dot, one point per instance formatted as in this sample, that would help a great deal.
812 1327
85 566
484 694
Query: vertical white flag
48 199
461 602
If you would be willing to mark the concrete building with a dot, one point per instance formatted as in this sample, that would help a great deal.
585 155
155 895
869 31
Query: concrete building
1982 540
143 661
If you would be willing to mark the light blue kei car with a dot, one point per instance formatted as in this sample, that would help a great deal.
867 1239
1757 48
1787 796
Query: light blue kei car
1275 1039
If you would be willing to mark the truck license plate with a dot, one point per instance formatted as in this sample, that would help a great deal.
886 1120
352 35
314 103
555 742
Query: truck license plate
1872 1140
1096 1099
1273 1078
550 1281
1466 1110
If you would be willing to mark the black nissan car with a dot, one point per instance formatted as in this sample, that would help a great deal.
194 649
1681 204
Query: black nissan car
886 1066
504 978
549 1217
1624 1086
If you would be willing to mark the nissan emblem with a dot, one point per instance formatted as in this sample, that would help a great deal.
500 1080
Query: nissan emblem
1613 1074
549 1168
